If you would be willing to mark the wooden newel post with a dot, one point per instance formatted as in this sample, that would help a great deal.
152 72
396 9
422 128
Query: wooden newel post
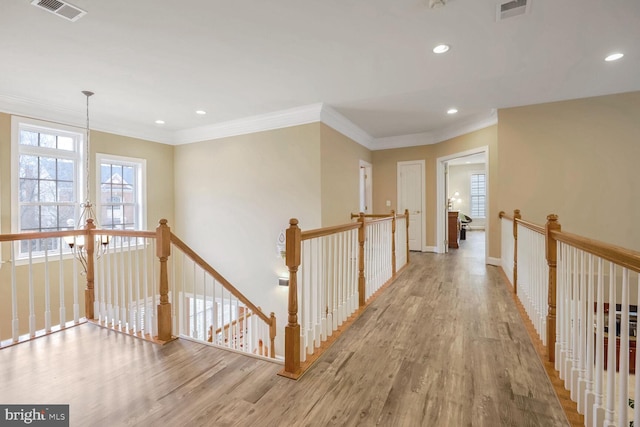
272 334
292 330
393 242
163 250
516 217
551 248
89 293
361 278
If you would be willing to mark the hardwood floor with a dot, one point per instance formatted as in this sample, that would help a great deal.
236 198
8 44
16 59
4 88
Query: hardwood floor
442 346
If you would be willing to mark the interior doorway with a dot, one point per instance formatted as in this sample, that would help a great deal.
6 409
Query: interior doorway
411 182
447 199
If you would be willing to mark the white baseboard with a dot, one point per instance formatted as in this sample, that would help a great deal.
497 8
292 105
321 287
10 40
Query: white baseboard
494 261
433 249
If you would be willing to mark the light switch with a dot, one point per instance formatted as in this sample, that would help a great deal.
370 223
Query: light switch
388 203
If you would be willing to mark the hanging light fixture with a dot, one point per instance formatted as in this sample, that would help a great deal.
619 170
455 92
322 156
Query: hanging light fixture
87 215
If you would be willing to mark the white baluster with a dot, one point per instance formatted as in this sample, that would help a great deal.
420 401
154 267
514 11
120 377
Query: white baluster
623 386
590 348
15 322
598 409
62 309
32 309
47 290
582 330
611 351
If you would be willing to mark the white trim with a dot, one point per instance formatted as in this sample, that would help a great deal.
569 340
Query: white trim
440 196
423 186
434 137
76 117
337 121
367 190
141 194
259 123
494 261
319 112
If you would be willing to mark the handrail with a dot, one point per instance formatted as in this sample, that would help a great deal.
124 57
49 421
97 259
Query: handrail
205 266
627 258
38 235
382 219
320 232
503 214
357 215
531 226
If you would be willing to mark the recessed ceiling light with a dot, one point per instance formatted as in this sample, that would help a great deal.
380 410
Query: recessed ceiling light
201 112
614 57
159 122
441 48
452 110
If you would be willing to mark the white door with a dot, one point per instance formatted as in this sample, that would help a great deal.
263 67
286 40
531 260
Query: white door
410 196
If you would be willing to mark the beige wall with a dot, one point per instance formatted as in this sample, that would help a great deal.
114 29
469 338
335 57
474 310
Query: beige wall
234 196
340 168
577 159
385 173
160 204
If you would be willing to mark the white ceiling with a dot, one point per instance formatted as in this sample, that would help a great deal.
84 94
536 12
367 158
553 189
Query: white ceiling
369 60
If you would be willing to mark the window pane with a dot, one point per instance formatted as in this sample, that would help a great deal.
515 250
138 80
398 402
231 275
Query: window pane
48 141
28 138
65 170
65 191
66 143
66 217
48 168
49 217
28 190
28 166
47 191
29 218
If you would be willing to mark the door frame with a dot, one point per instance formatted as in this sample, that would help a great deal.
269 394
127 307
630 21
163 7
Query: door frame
441 197
423 184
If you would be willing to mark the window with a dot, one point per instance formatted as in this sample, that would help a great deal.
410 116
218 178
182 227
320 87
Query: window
46 164
478 195
121 192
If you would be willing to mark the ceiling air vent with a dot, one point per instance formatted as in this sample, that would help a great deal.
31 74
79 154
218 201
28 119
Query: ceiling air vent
60 8
512 8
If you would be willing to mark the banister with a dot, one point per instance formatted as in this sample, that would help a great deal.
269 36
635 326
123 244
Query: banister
320 232
205 266
531 226
504 215
357 215
626 258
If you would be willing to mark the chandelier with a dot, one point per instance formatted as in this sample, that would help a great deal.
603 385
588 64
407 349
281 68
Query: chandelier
88 216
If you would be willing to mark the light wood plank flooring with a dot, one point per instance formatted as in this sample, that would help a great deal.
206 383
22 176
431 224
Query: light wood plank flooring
442 346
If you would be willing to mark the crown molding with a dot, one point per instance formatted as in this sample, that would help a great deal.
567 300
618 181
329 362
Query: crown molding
312 113
426 138
259 123
76 117
337 121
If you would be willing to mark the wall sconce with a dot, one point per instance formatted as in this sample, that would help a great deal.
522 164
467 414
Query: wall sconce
283 281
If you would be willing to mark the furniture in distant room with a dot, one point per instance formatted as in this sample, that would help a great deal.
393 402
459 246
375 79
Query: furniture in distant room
464 220
454 229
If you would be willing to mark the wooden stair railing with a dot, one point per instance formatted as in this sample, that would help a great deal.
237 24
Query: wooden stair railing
579 327
239 324
334 263
127 289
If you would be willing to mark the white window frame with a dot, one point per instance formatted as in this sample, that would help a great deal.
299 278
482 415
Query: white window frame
19 123
471 195
141 183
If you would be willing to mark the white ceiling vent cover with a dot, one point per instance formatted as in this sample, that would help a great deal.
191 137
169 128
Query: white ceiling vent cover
512 8
61 8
